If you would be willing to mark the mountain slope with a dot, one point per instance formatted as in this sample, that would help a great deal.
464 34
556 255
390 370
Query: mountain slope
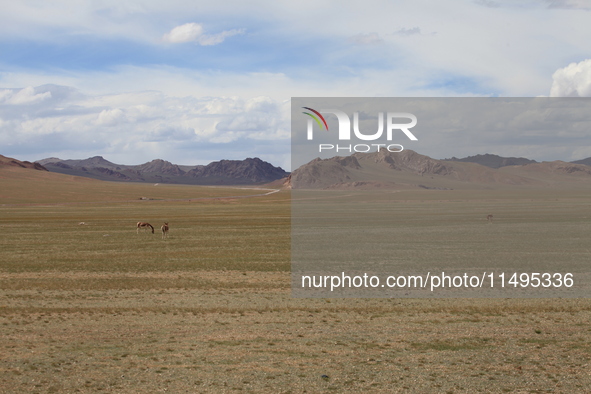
10 162
586 161
494 161
224 172
410 170
243 171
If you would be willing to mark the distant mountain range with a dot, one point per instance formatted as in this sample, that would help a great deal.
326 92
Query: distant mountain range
404 170
494 161
224 172
411 170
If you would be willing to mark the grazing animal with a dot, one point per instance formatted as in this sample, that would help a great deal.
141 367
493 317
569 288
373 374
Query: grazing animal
489 218
145 226
164 229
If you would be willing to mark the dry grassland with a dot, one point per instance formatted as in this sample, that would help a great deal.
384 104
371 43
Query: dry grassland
98 308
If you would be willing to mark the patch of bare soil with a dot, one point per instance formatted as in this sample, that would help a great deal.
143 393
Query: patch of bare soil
223 332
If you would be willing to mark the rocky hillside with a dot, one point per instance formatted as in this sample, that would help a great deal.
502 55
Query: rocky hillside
224 172
586 161
494 161
411 170
161 167
245 171
10 162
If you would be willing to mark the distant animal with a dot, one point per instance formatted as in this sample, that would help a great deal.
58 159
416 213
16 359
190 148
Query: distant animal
164 229
489 218
145 226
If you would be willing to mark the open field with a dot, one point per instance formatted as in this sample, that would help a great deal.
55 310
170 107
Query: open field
409 233
98 308
40 187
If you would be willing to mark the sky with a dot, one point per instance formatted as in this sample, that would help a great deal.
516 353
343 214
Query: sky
198 81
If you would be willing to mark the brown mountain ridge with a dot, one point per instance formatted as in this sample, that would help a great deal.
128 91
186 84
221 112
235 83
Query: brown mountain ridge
411 170
10 162
224 172
495 161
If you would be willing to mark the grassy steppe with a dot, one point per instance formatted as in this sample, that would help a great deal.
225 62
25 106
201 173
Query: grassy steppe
98 308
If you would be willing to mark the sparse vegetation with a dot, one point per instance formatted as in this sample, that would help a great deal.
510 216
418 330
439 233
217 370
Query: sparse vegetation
209 309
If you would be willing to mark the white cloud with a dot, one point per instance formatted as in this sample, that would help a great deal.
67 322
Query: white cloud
366 39
502 49
573 80
141 126
184 33
214 39
569 4
408 32
488 3
563 4
22 96
194 32
110 117
222 105
261 104
508 46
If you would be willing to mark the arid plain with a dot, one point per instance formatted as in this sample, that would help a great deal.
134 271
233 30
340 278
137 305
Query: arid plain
97 307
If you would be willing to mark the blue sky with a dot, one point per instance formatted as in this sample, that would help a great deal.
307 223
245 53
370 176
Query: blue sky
193 81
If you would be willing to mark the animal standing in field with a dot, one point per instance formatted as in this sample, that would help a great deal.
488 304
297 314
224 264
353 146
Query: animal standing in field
489 218
164 229
145 226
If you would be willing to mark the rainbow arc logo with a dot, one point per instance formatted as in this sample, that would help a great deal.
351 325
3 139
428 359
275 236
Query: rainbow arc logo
316 117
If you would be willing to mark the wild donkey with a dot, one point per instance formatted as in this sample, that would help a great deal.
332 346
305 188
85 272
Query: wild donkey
145 226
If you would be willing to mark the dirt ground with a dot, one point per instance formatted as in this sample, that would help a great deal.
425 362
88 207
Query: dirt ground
100 308
224 332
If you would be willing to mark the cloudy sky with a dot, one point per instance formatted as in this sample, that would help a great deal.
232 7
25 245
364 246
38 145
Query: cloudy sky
196 81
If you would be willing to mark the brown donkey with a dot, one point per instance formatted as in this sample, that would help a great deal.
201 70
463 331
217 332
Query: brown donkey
145 226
